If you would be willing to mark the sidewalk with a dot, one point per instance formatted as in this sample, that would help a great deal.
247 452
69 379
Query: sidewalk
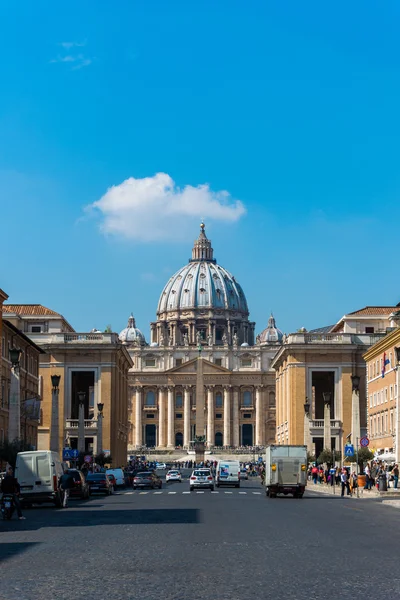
323 488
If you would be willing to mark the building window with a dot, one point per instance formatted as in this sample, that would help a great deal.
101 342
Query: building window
178 362
218 335
150 362
369 330
150 416
178 400
150 398
386 394
218 415
218 400
247 416
246 362
370 401
178 416
391 392
218 361
247 399
36 329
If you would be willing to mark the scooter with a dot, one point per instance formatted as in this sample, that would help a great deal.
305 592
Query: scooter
7 506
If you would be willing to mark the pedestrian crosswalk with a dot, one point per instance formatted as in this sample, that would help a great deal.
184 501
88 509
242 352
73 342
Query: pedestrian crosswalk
168 493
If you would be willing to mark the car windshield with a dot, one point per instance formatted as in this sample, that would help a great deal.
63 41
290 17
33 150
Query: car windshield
146 475
96 476
173 472
201 473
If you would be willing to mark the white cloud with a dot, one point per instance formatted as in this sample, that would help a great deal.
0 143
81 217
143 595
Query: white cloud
78 61
154 208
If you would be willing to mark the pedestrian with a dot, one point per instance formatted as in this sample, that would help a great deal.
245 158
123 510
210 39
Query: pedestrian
10 485
314 473
395 473
66 483
344 479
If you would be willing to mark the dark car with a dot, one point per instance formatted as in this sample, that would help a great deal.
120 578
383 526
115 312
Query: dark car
81 487
147 479
99 483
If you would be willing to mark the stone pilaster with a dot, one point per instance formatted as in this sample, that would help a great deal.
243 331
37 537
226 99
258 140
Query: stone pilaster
186 417
227 416
236 412
170 421
210 417
138 415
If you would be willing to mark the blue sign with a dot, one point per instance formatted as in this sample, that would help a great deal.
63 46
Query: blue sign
70 454
349 450
260 459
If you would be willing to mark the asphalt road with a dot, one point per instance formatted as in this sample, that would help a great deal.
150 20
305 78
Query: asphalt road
230 545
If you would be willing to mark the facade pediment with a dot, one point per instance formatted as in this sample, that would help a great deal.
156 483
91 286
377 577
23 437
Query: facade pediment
209 368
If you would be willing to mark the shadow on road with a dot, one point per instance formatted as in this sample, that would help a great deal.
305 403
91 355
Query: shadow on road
8 550
86 518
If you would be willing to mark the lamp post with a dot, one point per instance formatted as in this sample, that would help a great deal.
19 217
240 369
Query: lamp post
55 428
14 411
355 418
81 422
100 407
397 353
307 426
327 420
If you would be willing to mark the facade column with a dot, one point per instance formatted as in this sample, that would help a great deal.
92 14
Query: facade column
170 423
235 440
210 417
161 417
355 417
186 417
81 427
138 419
54 430
327 426
227 416
14 411
259 416
100 432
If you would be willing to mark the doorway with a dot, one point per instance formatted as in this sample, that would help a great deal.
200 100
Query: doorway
179 439
218 438
247 434
150 436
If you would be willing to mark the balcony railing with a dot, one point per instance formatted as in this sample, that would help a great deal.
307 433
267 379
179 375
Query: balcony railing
74 424
74 338
246 407
364 339
319 423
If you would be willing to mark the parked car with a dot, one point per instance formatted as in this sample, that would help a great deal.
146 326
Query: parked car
161 466
99 483
173 475
201 478
113 481
119 476
244 474
147 479
81 487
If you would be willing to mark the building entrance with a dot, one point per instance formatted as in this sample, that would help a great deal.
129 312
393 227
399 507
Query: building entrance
247 434
150 435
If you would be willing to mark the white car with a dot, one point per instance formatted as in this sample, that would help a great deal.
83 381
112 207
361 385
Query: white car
201 478
161 466
173 476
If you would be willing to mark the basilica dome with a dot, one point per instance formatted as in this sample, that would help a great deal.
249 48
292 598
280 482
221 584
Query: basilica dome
271 334
131 334
206 296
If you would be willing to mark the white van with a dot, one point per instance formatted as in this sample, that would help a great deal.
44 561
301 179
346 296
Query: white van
119 476
227 473
38 473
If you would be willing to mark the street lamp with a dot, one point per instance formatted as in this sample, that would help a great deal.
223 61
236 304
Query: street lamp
15 356
14 409
81 397
327 397
306 407
100 407
355 383
54 429
81 421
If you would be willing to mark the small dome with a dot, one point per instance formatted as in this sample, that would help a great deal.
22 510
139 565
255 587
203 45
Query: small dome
244 345
154 345
131 334
271 334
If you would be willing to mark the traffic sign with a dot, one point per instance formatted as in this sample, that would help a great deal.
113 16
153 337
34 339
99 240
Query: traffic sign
70 454
349 450
364 442
260 459
88 458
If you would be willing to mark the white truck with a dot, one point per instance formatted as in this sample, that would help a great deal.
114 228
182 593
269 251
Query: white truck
285 470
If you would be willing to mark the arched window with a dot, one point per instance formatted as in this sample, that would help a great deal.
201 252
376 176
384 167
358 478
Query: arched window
247 400
178 402
218 400
150 398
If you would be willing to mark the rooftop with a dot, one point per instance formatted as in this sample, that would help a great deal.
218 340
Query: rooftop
374 310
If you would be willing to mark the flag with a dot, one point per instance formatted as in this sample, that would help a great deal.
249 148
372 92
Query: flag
385 362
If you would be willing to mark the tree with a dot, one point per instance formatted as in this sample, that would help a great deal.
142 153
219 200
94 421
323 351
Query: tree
326 457
364 455
102 459
310 457
9 450
108 329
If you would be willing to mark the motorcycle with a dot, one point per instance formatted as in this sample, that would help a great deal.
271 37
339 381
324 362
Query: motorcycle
7 506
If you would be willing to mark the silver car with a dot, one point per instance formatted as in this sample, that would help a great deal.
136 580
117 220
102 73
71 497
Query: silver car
201 478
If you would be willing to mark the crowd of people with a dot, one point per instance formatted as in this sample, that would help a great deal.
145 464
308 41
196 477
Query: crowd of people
374 471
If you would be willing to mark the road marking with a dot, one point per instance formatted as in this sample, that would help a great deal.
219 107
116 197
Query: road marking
185 492
143 493
199 492
155 493
257 493
242 492
211 492
228 492
171 492
128 493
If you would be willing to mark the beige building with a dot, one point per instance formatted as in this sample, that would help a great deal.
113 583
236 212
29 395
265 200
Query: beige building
202 307
310 365
383 371
94 363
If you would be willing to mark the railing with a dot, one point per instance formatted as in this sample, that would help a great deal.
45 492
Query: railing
74 424
319 423
246 407
74 338
365 339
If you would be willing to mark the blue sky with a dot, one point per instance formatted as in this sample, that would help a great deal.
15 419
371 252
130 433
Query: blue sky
291 108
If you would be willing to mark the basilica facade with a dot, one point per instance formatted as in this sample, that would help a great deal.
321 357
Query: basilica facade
202 311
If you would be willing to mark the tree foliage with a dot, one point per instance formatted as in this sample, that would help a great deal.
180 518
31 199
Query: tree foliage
327 457
364 455
9 450
102 459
